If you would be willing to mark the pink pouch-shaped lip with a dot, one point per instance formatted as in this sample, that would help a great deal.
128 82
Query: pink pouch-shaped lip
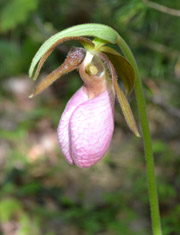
86 127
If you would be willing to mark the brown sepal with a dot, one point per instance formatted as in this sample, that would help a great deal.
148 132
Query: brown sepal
82 40
126 109
73 60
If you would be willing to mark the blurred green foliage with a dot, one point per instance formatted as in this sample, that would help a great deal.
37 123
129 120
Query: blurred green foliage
45 197
15 12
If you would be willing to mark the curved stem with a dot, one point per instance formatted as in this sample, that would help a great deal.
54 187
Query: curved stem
153 196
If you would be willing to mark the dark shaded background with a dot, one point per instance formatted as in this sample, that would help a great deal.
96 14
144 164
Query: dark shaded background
39 192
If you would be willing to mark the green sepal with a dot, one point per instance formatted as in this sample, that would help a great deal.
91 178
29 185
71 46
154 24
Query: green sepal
103 32
122 67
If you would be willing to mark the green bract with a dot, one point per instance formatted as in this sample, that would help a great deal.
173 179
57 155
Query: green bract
94 30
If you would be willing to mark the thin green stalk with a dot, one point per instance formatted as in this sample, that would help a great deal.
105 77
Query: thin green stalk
153 196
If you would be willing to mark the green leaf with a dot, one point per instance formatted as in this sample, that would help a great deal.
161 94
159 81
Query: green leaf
122 67
103 32
126 109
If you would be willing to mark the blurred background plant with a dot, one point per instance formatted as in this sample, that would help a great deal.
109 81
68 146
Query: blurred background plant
39 192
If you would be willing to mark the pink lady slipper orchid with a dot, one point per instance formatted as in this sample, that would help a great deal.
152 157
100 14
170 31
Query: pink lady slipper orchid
86 126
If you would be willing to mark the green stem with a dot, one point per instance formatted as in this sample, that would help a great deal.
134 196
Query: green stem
153 196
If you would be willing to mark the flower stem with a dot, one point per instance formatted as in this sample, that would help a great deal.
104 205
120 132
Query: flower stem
153 196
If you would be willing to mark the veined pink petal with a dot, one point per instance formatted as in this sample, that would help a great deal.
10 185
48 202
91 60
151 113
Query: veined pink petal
63 129
86 127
